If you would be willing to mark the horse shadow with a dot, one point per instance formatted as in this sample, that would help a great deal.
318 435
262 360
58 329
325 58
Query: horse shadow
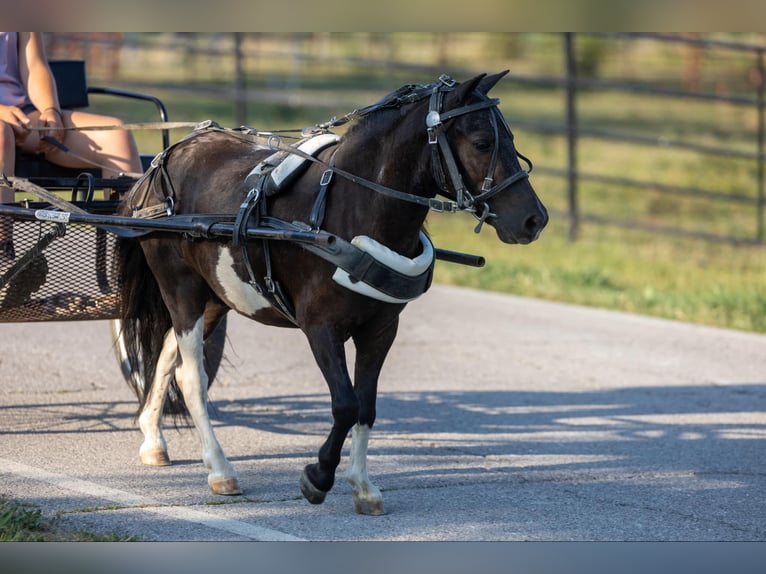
682 426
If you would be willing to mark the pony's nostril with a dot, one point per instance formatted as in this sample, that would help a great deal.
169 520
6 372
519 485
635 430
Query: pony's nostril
533 224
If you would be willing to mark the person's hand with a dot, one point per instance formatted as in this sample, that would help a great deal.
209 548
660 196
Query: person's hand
18 120
51 118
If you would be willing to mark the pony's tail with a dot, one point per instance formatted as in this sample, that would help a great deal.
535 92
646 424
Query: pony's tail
145 322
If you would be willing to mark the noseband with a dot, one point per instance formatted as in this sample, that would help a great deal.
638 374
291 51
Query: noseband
442 155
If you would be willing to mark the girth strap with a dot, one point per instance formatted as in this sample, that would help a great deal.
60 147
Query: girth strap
253 204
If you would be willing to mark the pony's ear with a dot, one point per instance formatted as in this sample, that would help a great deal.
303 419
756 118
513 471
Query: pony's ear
462 92
482 83
488 82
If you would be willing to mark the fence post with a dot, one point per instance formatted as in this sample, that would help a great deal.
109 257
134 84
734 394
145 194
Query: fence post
761 143
240 89
571 119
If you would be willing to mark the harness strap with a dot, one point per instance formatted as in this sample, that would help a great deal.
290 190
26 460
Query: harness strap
320 203
140 191
138 194
243 216
273 143
438 141
493 162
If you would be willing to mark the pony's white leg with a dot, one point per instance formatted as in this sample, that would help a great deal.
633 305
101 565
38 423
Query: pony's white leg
192 380
367 497
154 450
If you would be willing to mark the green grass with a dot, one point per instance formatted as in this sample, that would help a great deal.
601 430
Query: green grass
21 522
685 279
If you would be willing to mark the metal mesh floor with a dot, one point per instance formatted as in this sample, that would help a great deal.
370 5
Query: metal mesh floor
60 273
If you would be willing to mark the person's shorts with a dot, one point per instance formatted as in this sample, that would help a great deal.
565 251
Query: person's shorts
28 108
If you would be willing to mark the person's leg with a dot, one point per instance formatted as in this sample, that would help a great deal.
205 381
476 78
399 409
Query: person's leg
7 164
115 151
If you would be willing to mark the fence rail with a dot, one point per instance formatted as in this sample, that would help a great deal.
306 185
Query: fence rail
577 131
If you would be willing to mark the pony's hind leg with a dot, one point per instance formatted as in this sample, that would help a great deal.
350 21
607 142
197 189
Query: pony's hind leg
154 451
192 380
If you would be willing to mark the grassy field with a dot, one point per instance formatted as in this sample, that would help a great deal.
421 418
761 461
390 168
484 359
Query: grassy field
637 271
688 280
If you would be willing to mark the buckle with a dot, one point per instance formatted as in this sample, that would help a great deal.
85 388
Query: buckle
439 206
169 206
326 177
447 81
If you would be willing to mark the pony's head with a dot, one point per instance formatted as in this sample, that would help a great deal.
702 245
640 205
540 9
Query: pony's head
484 174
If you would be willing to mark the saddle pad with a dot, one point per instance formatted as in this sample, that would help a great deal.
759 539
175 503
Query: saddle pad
283 167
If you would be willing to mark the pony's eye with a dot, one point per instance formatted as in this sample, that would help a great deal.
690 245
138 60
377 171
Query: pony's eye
482 145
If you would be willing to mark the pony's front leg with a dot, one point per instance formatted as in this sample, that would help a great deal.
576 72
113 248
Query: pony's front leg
367 496
154 450
372 345
192 380
318 478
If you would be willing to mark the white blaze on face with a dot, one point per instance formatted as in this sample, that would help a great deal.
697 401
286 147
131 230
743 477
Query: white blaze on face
237 293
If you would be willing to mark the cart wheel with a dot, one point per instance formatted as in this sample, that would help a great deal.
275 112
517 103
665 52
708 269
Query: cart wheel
213 349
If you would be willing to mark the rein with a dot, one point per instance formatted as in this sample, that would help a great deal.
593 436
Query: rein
134 126
441 151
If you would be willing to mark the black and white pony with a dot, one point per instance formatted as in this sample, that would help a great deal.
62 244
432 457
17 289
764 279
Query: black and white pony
363 198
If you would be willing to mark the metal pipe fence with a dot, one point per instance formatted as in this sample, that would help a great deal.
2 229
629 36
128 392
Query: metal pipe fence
577 132
576 129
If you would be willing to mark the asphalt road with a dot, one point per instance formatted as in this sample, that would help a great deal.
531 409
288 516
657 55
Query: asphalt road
500 419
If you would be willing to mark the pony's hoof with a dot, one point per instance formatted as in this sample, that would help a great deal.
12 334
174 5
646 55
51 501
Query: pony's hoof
225 486
369 507
311 492
155 457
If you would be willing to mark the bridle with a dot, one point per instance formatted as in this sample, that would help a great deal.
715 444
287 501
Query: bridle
442 155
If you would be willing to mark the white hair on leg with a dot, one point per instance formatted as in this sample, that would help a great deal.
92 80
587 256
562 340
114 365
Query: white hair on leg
154 450
367 497
193 383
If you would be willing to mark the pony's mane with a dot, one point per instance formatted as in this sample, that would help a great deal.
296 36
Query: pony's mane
375 116
370 123
372 117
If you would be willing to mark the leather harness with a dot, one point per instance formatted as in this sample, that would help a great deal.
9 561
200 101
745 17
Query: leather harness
360 265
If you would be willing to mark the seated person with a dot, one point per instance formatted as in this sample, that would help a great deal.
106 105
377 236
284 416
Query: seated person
28 99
